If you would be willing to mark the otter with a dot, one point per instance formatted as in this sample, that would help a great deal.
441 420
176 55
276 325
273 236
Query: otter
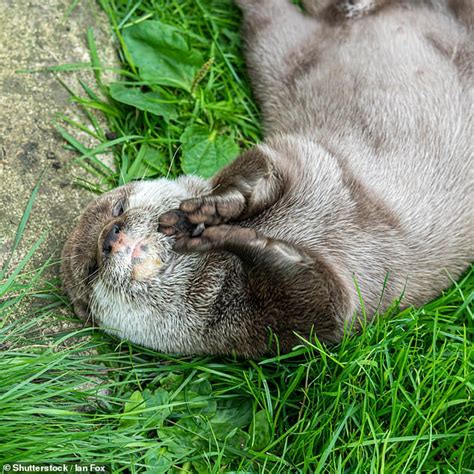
359 195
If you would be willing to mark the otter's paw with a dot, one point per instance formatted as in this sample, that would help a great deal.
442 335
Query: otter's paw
221 237
176 223
214 209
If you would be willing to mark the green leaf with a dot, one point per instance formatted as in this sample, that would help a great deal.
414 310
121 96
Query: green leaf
158 461
230 414
260 430
146 409
130 419
152 102
204 152
162 54
200 467
237 440
158 399
21 227
198 398
171 381
147 163
180 441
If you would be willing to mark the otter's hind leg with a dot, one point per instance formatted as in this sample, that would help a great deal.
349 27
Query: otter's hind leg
273 32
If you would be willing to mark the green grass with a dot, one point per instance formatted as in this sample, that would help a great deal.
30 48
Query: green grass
397 398
219 100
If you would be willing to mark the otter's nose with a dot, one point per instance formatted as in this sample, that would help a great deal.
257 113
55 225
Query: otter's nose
114 240
117 241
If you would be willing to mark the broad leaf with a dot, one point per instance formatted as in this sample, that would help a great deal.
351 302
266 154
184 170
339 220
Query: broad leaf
152 102
158 461
158 399
132 410
260 430
171 381
238 440
231 414
204 152
146 409
181 441
198 398
147 163
162 54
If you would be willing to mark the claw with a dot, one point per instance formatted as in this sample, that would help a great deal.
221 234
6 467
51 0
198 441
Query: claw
199 229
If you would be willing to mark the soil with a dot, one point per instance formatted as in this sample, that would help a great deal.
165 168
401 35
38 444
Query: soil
36 34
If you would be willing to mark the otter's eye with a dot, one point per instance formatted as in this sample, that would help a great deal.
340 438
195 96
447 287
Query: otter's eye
118 208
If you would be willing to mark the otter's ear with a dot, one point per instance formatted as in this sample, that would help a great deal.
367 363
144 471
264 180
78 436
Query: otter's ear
72 289
81 311
80 305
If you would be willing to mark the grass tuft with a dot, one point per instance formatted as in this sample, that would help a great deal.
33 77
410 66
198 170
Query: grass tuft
397 398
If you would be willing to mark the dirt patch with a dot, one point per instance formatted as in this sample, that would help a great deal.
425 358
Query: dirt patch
36 34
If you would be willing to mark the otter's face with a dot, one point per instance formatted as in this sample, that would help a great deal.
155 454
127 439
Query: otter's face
116 253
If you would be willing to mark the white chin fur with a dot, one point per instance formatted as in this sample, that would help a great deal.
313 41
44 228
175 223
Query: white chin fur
152 321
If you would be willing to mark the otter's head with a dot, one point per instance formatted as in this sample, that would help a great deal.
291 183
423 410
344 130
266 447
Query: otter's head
115 256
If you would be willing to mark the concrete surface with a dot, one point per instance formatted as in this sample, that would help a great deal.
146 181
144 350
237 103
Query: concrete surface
35 34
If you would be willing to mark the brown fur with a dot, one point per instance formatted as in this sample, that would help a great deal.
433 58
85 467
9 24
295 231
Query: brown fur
363 186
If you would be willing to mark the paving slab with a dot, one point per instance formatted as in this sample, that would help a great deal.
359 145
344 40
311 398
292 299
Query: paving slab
35 34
